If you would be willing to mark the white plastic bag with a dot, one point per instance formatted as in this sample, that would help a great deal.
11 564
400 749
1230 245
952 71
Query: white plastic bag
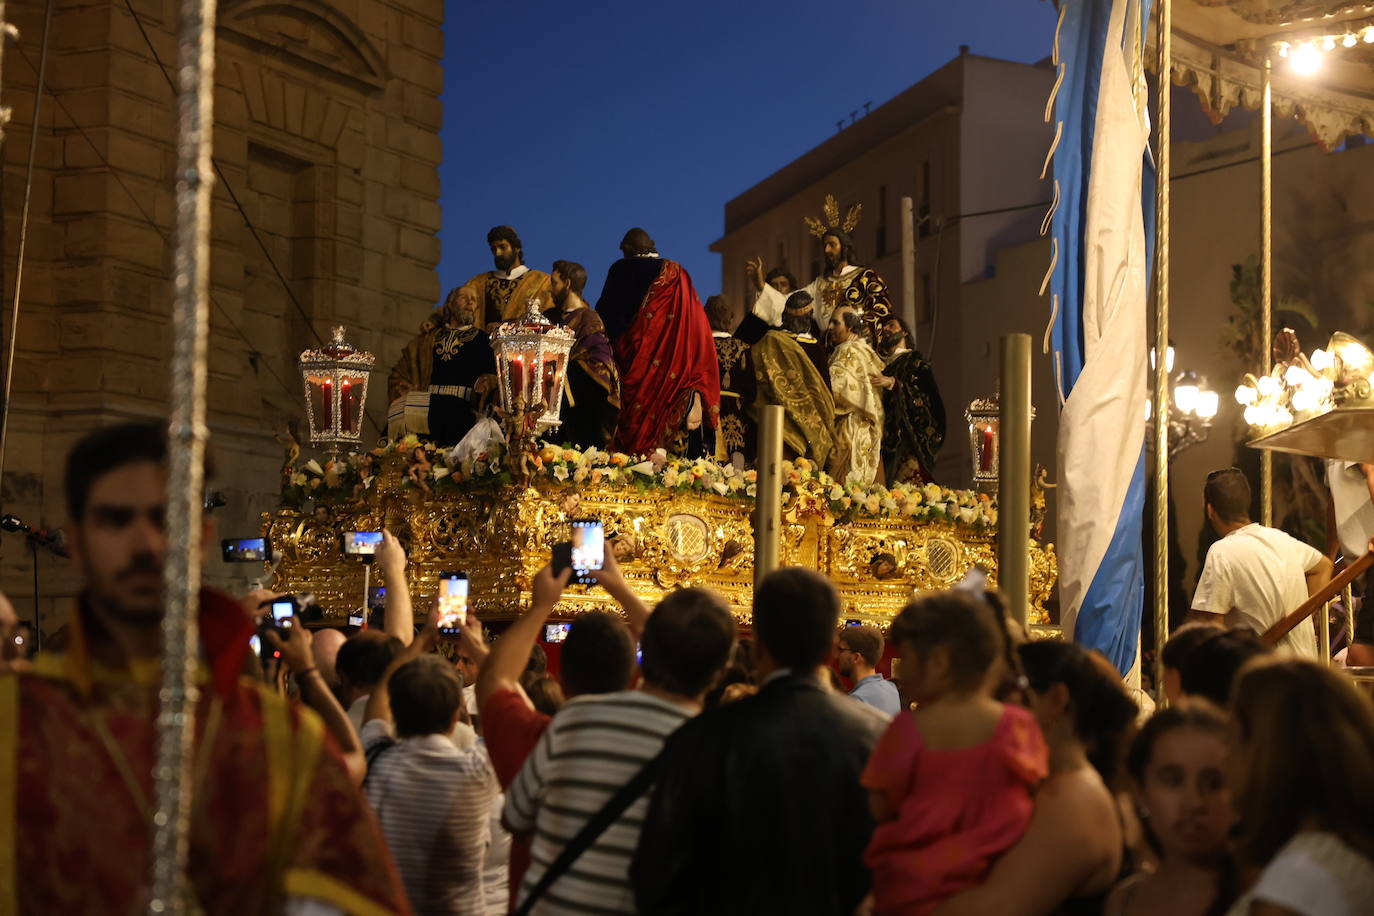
485 436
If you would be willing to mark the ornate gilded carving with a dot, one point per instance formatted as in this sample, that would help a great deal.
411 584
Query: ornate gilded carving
664 540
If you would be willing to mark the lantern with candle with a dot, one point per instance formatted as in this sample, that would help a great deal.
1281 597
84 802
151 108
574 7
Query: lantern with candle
335 379
984 442
531 358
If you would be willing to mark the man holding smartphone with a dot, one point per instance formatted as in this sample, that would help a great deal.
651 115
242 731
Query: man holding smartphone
79 733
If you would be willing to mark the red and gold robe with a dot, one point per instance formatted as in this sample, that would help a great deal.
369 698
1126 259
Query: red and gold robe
274 814
666 357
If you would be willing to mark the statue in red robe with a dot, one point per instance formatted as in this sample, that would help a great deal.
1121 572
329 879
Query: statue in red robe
669 378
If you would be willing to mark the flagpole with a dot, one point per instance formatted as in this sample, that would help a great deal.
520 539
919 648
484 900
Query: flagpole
1267 270
186 441
1164 46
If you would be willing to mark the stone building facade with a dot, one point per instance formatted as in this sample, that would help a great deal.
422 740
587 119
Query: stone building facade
326 137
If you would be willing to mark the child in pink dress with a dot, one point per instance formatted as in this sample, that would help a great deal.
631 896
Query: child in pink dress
950 784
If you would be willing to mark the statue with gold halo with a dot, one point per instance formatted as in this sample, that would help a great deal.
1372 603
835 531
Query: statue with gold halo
842 281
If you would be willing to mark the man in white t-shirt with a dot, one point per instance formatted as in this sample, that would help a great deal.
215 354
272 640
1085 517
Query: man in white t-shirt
1255 576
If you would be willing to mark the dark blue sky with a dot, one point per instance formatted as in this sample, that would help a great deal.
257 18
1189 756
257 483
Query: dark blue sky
574 121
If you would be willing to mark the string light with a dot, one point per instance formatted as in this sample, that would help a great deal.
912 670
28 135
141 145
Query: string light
1368 35
1349 40
1329 43
1306 59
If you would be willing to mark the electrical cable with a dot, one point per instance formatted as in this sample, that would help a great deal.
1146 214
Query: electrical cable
13 341
253 351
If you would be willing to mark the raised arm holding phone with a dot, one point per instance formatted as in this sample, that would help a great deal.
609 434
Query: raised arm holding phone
296 654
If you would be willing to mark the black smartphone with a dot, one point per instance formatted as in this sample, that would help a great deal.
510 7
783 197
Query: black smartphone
588 548
284 611
245 550
453 602
376 597
361 543
556 632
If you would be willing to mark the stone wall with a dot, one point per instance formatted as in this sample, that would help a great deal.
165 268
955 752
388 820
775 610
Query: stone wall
326 131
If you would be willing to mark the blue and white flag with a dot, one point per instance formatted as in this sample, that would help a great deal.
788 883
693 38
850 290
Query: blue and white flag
1099 285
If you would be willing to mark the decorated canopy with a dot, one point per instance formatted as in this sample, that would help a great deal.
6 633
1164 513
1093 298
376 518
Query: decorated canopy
1219 48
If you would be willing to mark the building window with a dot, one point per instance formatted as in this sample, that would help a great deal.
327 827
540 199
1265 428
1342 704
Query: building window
882 221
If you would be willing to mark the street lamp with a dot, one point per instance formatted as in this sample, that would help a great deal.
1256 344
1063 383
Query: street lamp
1193 406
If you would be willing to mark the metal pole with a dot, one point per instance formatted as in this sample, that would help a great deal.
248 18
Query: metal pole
187 435
1323 622
1014 481
768 492
1267 272
1348 599
1161 393
12 343
909 262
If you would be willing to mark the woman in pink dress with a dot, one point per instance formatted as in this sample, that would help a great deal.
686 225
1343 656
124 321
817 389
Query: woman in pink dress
950 784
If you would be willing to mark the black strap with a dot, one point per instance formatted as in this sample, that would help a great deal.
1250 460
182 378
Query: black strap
627 795
374 750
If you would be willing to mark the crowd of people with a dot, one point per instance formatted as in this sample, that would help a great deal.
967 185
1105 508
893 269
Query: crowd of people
651 367
671 766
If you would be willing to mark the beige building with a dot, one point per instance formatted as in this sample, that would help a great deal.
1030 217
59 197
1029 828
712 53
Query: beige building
966 144
326 133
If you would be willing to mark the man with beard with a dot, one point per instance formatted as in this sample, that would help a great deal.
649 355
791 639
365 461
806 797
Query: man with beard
858 401
503 293
786 373
842 281
591 401
276 824
441 373
669 379
915 426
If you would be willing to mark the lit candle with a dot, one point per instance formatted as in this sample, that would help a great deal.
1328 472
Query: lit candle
327 389
517 377
345 412
987 448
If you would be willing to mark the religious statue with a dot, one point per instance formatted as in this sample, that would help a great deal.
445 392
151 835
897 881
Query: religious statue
669 380
502 293
591 401
915 426
858 401
441 374
737 428
842 282
420 470
786 374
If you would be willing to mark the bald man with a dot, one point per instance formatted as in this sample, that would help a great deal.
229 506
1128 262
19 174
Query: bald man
326 649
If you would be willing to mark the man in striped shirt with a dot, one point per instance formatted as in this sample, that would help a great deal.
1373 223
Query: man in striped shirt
596 744
433 800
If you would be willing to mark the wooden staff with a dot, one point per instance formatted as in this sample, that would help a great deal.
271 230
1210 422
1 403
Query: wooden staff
1309 607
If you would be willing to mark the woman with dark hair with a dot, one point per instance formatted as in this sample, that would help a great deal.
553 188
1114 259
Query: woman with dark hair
1302 783
1073 852
1176 766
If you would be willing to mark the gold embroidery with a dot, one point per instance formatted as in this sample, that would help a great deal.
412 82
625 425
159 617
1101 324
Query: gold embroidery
449 341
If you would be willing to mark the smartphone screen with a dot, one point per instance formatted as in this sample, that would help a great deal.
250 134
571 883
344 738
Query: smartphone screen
376 597
244 550
588 548
255 643
361 543
453 602
282 613
556 632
